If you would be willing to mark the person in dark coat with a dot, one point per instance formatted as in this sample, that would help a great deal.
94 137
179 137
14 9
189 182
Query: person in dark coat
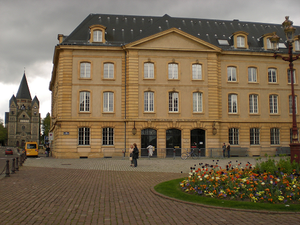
228 150
135 155
47 151
224 149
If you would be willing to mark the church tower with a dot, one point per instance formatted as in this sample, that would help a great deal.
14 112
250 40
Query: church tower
23 117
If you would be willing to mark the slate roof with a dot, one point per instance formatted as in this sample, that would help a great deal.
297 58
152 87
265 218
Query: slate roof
35 100
124 29
13 99
23 92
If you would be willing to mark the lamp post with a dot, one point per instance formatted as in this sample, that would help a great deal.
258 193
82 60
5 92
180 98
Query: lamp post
290 32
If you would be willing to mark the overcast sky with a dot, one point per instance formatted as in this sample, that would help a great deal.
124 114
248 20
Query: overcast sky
29 30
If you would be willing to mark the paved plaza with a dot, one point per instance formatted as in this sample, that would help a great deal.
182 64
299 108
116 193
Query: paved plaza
109 191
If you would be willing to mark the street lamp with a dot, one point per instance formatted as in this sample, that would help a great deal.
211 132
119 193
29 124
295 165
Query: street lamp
289 30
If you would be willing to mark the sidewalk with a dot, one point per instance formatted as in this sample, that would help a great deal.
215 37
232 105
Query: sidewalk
109 191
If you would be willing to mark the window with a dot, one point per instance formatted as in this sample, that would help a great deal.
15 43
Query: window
269 44
290 78
254 136
148 70
252 74
85 70
148 101
197 102
108 101
272 75
97 36
240 42
297 45
273 102
231 73
274 136
173 102
233 136
108 136
84 102
84 136
173 71
197 71
291 105
253 103
232 103
108 72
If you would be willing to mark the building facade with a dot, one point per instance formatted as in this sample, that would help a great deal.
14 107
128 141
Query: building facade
172 83
23 118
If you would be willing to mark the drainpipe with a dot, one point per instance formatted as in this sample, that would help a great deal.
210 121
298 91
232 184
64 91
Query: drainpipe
125 103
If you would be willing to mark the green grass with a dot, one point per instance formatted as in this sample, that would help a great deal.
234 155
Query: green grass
172 189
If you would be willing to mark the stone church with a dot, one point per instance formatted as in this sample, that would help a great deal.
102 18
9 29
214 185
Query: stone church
23 118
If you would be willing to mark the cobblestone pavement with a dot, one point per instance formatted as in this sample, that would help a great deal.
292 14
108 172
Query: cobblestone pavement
109 191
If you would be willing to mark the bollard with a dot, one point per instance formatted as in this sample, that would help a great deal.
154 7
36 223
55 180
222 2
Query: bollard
148 155
21 160
13 168
7 169
17 163
174 151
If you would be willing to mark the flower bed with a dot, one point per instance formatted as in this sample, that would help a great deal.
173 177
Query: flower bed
260 183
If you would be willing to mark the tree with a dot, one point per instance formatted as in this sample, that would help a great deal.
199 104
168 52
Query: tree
46 125
3 133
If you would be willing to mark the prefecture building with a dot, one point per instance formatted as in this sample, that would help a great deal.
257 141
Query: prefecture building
170 82
23 118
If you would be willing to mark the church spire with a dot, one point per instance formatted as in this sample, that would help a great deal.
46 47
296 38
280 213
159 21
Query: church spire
23 92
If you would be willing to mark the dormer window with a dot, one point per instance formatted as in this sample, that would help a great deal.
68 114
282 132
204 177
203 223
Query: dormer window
297 45
97 34
268 45
240 42
240 39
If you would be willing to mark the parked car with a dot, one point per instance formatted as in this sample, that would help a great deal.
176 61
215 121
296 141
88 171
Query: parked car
9 151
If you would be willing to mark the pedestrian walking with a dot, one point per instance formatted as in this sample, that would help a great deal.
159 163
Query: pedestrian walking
47 151
135 155
228 150
150 150
130 155
224 149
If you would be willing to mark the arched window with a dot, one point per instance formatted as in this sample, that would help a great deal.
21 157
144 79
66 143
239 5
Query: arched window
148 101
85 70
84 101
109 70
148 70
197 71
197 102
173 70
173 102
108 101
97 36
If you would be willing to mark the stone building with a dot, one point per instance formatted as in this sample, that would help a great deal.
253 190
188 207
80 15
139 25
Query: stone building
23 118
175 83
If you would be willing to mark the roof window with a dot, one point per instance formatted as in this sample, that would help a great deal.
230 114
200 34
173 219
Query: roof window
223 42
97 34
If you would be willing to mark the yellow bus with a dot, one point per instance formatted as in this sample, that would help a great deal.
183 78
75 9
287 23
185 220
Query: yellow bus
31 149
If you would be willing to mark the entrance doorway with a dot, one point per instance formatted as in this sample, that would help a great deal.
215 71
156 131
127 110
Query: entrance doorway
148 137
198 140
173 141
